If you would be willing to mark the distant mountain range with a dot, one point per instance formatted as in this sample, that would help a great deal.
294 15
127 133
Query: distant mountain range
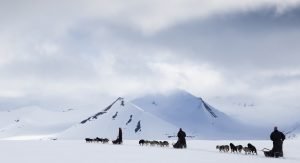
154 116
161 116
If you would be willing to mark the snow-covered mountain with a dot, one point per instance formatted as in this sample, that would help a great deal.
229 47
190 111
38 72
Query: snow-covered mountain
160 116
37 122
293 132
135 122
154 116
196 116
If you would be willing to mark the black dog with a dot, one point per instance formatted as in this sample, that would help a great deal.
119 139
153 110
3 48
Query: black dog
239 148
88 140
142 142
233 148
97 140
220 148
164 143
105 140
252 148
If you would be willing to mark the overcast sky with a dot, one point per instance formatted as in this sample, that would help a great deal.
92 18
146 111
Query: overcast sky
85 52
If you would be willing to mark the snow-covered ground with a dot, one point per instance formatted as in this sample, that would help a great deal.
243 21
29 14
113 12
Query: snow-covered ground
64 151
27 134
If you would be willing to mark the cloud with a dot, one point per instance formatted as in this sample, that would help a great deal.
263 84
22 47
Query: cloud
76 52
148 16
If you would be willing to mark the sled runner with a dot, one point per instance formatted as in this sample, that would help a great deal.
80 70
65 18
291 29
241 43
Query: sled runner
271 153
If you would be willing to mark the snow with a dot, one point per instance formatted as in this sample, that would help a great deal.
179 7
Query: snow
38 135
107 126
196 116
62 151
160 116
35 121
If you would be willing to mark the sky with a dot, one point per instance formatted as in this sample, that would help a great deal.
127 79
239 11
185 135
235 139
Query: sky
84 53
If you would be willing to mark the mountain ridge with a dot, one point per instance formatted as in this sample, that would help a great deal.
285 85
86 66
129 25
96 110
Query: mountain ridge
176 109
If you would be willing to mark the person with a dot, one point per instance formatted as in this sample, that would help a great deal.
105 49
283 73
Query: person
181 143
119 140
277 137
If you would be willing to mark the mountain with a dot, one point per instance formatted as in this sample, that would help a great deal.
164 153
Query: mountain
196 116
159 116
135 122
35 122
153 116
293 132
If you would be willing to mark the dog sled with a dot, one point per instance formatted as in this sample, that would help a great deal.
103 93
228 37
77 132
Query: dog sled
271 153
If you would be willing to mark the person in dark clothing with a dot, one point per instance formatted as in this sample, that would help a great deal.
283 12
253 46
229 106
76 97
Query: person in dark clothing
277 137
181 143
119 140
120 137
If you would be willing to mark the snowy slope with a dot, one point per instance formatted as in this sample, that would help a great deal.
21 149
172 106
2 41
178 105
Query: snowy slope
244 108
157 116
135 122
34 121
196 116
160 116
293 132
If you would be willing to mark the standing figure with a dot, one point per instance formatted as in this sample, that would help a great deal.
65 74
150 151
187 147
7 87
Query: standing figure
277 137
181 143
119 140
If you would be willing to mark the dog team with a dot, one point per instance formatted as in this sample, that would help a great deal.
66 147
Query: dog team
249 149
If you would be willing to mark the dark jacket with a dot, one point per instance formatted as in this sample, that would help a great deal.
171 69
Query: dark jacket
120 137
277 136
181 138
181 134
